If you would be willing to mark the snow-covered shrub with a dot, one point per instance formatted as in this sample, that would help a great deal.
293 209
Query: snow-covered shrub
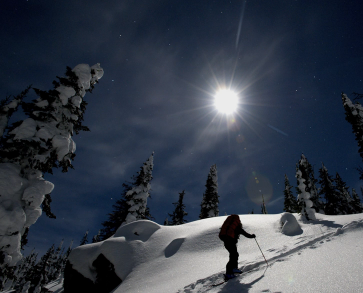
289 225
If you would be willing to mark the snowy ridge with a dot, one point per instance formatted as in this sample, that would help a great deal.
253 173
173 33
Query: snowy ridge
190 257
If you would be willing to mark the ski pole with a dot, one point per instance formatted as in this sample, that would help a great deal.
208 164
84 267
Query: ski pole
261 252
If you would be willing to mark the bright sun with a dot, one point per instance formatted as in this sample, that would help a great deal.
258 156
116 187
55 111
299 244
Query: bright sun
226 101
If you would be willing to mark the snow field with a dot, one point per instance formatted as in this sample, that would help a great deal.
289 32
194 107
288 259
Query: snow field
320 256
312 262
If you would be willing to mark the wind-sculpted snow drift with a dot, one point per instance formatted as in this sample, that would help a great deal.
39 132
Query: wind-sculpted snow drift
190 258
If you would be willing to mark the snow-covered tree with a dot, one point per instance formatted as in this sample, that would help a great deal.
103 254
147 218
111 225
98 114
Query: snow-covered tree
354 115
166 222
68 252
356 203
133 202
177 217
117 216
290 203
7 277
96 238
328 191
84 239
311 182
31 275
56 263
34 146
344 200
7 107
307 173
303 195
25 272
137 196
42 270
210 202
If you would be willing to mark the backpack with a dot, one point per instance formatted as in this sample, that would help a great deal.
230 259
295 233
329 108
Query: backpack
229 227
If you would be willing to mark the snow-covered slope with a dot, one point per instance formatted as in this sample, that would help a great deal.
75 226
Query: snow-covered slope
320 256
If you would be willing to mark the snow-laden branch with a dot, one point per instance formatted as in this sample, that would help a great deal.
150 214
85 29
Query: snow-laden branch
34 146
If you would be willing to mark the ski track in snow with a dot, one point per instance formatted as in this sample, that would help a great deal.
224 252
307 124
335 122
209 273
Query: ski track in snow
302 243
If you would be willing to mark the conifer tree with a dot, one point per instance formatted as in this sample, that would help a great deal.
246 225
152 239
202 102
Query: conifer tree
7 108
311 182
356 203
6 277
328 191
210 202
25 272
35 146
65 256
133 201
56 266
344 200
290 203
41 273
354 115
68 252
96 238
84 239
137 196
303 195
177 217
31 275
263 207
117 216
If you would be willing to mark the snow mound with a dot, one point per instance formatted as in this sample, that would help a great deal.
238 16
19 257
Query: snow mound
126 248
138 230
349 227
173 247
289 225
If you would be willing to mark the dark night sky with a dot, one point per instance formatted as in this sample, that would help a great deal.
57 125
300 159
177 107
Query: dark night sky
163 62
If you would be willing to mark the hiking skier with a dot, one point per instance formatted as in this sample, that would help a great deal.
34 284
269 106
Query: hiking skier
229 234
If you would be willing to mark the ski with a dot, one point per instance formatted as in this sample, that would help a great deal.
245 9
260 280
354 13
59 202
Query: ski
225 280
215 285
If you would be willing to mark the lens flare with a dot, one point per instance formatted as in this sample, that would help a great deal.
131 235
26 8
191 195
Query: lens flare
258 185
226 101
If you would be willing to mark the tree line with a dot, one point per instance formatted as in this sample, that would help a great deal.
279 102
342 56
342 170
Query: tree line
31 274
332 197
133 202
327 194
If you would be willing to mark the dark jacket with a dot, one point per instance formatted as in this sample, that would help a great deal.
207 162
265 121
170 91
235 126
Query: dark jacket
232 228
238 231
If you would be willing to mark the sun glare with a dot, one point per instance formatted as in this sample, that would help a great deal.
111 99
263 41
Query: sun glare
226 101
